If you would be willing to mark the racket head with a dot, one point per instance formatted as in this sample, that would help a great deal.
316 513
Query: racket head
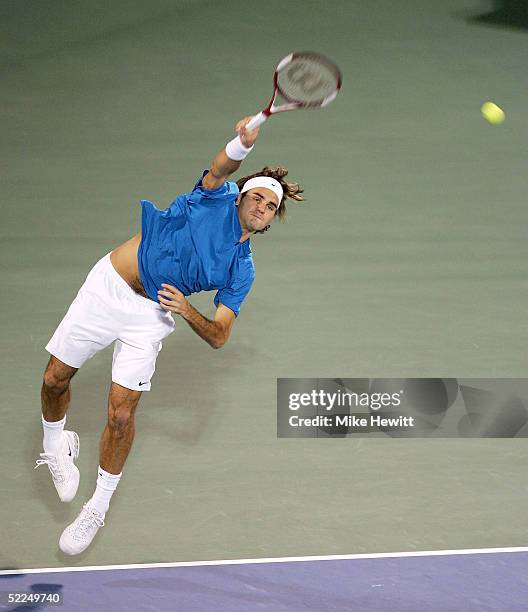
307 79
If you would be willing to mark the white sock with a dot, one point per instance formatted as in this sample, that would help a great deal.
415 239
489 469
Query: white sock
52 435
106 485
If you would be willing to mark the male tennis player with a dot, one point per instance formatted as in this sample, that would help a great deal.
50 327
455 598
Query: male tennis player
199 243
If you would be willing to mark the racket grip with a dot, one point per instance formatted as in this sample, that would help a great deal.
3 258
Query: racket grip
256 121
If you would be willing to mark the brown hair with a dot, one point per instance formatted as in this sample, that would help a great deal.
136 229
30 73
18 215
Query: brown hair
290 190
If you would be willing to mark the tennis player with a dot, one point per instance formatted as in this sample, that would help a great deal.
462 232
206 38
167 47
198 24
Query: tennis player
199 243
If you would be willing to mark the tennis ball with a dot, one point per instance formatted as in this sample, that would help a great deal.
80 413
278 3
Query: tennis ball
492 113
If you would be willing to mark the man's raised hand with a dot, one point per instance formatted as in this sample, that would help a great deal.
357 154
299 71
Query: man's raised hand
248 137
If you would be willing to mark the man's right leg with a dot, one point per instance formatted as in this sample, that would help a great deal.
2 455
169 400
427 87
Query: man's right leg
55 393
60 447
89 325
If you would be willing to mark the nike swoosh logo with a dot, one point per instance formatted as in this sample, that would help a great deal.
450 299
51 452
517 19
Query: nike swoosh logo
143 383
69 450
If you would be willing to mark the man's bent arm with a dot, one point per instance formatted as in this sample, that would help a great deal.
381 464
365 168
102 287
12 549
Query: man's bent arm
223 166
215 333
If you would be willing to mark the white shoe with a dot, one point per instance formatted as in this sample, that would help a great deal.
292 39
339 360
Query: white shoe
63 470
78 536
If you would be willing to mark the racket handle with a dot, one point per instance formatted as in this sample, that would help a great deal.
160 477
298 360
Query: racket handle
256 121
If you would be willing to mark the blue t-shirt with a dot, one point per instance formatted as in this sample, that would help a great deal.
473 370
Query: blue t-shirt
194 245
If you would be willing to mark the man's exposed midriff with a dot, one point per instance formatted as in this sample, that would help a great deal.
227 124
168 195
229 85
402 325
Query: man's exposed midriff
124 260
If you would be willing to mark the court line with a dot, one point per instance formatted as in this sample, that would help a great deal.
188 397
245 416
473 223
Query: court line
422 553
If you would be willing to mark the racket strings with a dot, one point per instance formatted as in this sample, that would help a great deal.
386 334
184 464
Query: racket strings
307 80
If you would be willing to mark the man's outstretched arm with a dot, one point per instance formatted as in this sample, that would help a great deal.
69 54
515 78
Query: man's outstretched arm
215 333
223 165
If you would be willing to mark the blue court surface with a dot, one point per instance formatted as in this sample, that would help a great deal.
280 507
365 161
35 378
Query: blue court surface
469 580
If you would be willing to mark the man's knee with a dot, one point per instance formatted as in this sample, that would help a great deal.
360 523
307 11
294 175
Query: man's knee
57 376
122 403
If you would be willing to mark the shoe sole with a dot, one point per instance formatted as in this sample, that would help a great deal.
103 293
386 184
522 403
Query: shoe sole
73 443
76 477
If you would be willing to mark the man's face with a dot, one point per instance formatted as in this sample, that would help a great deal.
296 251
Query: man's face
256 208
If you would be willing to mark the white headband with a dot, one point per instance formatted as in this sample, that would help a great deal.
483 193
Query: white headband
265 181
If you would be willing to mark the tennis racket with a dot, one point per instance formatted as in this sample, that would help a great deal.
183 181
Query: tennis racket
304 80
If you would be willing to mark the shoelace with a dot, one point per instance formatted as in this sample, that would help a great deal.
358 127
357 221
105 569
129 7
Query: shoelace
51 462
88 521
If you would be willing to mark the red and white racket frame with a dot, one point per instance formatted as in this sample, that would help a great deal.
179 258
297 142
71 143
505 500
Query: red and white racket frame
271 109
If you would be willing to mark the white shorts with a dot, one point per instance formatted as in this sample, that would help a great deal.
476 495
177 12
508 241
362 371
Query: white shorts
105 310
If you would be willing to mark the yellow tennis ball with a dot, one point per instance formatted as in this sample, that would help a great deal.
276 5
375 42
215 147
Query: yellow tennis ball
492 113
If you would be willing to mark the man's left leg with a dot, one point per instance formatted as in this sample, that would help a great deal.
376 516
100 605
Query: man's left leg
118 435
116 442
